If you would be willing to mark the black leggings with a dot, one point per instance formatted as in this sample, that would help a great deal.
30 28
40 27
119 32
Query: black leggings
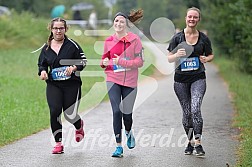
190 96
122 100
63 95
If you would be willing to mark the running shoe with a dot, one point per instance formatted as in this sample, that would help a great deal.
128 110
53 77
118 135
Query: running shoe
79 134
199 150
189 149
130 140
118 152
58 149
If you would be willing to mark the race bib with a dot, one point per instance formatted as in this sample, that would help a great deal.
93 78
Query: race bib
118 68
59 74
189 64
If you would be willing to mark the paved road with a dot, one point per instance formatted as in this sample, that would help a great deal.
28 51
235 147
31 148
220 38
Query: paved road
157 127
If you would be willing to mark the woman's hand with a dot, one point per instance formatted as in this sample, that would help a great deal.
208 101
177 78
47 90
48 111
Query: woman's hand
116 59
105 61
70 70
207 58
43 75
203 59
174 57
181 52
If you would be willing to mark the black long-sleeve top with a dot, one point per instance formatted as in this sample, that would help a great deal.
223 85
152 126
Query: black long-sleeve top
69 54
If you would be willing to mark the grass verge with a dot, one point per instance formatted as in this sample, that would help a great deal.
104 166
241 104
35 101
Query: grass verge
240 87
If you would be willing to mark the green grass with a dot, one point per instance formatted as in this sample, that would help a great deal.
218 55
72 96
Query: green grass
23 106
240 87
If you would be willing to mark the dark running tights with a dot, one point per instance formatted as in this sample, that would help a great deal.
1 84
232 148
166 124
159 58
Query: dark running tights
63 96
190 96
122 100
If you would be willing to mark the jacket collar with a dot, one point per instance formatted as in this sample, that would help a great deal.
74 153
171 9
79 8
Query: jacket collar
128 38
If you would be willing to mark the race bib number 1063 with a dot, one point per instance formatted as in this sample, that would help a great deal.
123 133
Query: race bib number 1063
189 64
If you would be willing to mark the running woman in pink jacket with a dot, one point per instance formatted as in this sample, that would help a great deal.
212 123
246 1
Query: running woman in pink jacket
123 55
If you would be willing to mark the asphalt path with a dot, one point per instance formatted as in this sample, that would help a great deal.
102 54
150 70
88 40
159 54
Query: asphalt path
157 117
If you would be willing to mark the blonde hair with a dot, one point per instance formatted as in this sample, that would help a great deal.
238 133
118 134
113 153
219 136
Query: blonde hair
195 9
50 26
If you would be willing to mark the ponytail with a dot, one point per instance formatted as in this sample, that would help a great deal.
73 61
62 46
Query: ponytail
49 40
135 16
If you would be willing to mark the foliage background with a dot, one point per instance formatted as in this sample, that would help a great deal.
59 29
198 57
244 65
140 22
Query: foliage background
228 22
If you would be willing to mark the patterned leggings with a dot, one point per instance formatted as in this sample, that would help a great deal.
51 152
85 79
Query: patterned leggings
190 96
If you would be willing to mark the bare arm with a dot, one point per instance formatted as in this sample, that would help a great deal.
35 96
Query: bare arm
174 56
205 59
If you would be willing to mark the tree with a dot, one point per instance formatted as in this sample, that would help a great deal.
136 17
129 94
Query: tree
232 33
125 5
192 3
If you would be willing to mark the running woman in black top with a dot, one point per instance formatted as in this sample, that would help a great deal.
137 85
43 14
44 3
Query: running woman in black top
190 49
65 60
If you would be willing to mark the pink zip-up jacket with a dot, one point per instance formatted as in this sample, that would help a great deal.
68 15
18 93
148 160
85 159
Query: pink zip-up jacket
130 50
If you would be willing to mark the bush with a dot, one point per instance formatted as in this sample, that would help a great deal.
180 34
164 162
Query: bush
22 30
232 34
243 38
